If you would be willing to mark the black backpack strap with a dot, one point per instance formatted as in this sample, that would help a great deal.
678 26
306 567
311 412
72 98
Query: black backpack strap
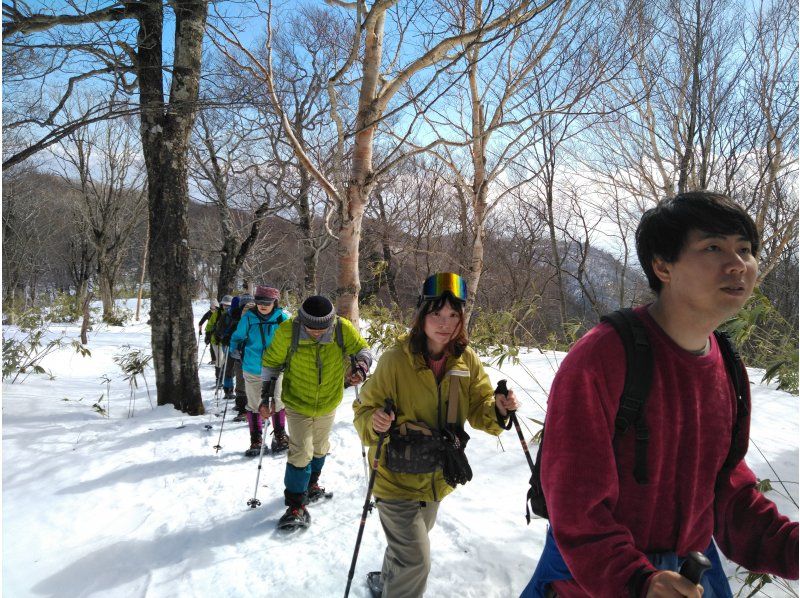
638 377
736 372
339 335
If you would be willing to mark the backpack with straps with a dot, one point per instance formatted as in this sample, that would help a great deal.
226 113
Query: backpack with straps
337 334
638 378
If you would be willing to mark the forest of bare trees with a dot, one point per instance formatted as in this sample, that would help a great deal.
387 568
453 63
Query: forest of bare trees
352 148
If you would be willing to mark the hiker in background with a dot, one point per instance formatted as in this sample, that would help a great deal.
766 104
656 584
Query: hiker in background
624 512
208 319
252 336
234 373
313 349
217 331
426 373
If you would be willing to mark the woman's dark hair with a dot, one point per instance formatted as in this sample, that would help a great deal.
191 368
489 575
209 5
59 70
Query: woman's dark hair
663 230
417 338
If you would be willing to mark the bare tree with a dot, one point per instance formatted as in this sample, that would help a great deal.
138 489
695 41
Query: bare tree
116 40
554 55
221 154
101 163
378 86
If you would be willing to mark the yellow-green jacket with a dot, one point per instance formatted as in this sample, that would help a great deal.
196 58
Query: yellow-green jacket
313 384
404 377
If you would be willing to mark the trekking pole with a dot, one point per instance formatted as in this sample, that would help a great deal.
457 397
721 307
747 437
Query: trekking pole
254 502
694 566
217 446
502 389
222 372
363 450
388 407
203 354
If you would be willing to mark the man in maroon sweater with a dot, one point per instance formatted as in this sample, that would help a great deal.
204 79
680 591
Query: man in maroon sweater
610 535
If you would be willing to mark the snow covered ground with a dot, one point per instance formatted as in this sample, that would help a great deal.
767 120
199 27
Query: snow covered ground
143 506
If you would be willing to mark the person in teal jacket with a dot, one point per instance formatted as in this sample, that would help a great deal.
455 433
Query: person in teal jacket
313 350
252 336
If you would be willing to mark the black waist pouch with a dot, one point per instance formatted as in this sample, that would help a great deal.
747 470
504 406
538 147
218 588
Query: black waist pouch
414 448
455 467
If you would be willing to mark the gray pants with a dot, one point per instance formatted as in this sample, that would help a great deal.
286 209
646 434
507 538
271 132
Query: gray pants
407 560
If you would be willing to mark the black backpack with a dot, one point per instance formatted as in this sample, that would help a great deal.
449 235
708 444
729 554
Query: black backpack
638 377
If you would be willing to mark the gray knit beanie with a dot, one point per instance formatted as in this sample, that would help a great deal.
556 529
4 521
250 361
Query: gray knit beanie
316 312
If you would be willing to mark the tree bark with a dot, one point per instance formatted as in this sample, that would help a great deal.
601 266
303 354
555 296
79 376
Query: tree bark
361 174
310 249
142 274
165 133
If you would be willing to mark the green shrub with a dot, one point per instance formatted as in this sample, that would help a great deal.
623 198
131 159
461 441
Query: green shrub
64 308
25 348
765 340
119 317
385 325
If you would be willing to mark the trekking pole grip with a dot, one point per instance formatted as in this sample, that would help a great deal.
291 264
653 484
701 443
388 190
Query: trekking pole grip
502 389
694 566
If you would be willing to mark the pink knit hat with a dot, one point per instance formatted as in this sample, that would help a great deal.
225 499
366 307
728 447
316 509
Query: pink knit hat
263 292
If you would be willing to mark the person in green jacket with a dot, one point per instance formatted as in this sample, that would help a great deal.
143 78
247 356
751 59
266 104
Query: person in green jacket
313 350
423 373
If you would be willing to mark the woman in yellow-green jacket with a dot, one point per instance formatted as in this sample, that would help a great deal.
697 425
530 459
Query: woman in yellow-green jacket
422 374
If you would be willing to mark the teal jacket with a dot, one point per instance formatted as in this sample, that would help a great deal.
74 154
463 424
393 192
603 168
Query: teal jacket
313 382
254 334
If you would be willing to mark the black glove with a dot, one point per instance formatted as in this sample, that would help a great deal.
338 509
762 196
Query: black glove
267 391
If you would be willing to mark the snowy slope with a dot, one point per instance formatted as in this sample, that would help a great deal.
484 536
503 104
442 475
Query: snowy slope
142 506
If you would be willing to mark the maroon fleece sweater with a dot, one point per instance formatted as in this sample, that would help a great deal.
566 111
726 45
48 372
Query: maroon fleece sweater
603 520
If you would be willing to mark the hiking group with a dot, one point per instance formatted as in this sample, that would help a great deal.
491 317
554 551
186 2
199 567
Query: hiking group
641 468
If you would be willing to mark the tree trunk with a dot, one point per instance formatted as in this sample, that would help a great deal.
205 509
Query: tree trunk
143 272
361 176
165 132
227 268
310 250
106 286
479 190
86 323
386 248
551 226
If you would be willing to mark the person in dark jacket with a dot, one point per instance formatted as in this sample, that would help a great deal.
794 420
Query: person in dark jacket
610 534
218 326
208 319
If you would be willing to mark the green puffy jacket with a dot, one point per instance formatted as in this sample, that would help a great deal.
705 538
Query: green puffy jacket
313 384
404 377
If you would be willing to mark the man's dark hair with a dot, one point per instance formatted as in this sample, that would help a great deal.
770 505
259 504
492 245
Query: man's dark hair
663 229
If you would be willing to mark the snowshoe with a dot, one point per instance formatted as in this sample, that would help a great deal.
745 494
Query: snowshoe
317 492
280 442
240 417
254 450
375 584
294 518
